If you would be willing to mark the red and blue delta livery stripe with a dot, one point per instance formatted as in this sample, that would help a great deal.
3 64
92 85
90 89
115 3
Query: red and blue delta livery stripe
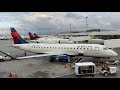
16 37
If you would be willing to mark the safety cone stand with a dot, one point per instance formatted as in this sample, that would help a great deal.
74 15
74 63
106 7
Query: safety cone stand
65 66
15 75
10 75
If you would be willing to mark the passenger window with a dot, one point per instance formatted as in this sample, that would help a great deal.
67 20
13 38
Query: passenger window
105 48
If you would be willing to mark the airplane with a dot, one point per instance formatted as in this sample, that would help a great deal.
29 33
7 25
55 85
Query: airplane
36 36
5 38
53 50
36 39
31 36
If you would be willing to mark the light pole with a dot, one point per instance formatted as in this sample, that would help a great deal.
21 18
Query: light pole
75 29
86 26
61 30
70 29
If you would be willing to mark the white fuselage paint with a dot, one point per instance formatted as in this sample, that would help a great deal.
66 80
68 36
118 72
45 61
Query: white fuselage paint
93 50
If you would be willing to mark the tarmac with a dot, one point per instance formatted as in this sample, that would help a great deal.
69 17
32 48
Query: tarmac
41 67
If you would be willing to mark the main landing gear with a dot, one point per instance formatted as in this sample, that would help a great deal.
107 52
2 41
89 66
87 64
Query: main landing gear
52 59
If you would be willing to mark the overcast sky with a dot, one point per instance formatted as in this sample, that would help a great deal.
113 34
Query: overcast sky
51 22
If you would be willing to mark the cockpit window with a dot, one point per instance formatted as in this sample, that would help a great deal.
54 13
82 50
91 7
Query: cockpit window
105 48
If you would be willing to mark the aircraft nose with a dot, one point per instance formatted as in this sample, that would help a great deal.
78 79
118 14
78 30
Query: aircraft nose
115 54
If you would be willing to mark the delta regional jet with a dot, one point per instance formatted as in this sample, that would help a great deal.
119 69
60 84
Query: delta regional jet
92 50
36 39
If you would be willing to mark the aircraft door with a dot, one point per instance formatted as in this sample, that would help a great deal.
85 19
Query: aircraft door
96 50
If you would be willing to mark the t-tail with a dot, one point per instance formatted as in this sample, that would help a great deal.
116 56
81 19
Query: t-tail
16 37
36 36
31 36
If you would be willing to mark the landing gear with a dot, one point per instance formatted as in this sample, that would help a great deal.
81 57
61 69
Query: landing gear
52 59
1 60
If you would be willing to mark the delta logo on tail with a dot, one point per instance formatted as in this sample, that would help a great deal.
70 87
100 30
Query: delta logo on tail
16 37
31 36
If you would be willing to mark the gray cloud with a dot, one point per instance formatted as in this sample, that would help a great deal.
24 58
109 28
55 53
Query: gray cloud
54 22
74 16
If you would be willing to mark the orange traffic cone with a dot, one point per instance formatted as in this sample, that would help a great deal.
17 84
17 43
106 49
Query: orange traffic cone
65 65
10 75
15 75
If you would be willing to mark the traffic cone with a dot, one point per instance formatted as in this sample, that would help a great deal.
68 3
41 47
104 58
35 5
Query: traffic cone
15 75
10 75
65 65
70 65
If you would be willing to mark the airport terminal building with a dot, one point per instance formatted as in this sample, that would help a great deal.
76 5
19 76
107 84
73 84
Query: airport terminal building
109 38
98 33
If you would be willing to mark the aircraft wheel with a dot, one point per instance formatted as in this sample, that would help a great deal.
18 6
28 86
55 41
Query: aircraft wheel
106 74
52 59
1 60
93 75
114 74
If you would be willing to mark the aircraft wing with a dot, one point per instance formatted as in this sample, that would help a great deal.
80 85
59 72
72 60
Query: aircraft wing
26 57
35 56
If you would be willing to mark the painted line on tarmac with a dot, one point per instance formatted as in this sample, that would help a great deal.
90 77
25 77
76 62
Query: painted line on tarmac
73 73
62 75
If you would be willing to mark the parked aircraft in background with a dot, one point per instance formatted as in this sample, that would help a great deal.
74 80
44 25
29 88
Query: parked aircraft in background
34 38
91 50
